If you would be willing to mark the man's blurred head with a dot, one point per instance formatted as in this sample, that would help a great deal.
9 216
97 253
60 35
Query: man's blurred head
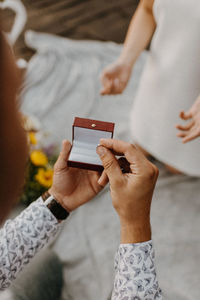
13 146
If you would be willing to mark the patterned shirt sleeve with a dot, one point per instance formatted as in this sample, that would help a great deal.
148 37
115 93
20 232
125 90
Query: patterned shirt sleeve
135 273
23 237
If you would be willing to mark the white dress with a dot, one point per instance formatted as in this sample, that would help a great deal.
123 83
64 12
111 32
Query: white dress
170 83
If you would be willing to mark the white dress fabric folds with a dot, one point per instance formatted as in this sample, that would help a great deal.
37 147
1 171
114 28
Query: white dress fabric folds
170 83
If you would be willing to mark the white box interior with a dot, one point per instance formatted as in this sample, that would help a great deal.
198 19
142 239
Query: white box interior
85 143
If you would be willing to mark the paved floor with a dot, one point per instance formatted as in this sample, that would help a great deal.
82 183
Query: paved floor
79 19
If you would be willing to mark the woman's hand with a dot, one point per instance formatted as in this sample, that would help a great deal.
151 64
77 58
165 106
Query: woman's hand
73 187
115 77
191 130
131 192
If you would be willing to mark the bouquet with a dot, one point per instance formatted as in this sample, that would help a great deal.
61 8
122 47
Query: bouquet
42 156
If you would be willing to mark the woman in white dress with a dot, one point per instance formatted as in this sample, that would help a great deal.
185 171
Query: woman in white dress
170 82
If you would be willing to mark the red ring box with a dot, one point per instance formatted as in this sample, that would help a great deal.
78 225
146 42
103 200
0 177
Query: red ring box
86 134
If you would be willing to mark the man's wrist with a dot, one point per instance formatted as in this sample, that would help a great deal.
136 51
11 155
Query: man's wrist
58 198
132 233
54 206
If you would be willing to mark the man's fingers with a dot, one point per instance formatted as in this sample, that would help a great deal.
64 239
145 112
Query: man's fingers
185 116
111 166
103 180
124 165
115 145
130 151
63 157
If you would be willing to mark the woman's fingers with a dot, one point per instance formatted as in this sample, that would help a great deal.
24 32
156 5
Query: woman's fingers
189 135
182 134
111 87
193 135
185 116
107 86
185 127
117 86
111 84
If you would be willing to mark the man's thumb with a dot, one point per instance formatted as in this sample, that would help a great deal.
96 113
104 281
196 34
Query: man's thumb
110 165
63 157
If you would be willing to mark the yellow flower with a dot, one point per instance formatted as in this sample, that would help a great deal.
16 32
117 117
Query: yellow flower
32 138
38 158
45 177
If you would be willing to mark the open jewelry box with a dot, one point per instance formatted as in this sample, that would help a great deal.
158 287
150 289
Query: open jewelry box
86 135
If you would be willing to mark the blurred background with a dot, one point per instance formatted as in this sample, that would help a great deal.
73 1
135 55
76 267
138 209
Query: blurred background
77 19
65 45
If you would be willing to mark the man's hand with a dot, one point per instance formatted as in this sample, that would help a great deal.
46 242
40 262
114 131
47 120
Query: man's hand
191 130
131 193
73 187
114 78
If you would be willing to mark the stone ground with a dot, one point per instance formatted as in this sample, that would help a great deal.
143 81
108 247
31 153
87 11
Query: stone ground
78 19
176 205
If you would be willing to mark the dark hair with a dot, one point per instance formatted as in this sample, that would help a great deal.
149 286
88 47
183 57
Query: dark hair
5 203
12 138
